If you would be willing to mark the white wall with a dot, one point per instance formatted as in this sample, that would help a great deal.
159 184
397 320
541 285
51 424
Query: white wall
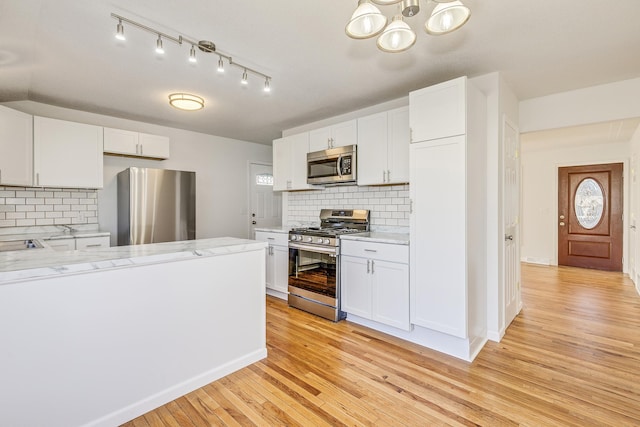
612 101
221 166
634 210
540 162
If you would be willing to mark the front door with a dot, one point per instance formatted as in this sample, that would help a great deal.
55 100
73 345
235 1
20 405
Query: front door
590 216
266 205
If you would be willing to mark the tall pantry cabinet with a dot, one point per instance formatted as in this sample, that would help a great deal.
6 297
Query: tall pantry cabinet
448 219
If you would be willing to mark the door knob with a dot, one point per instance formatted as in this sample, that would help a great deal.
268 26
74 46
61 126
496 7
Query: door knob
561 216
508 237
253 222
561 224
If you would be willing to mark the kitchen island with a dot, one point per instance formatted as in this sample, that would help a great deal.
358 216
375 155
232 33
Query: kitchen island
100 337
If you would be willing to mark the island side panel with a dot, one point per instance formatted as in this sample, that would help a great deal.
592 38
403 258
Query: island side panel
102 348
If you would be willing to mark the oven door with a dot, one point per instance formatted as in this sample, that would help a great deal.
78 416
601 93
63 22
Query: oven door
313 273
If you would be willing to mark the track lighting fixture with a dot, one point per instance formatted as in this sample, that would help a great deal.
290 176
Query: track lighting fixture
203 45
120 31
159 48
396 36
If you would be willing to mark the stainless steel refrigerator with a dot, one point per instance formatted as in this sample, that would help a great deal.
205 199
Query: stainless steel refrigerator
156 205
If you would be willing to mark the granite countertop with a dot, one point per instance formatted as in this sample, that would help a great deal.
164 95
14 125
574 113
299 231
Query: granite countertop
275 229
43 262
379 237
50 233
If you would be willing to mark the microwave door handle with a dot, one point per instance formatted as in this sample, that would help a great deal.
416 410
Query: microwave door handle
339 166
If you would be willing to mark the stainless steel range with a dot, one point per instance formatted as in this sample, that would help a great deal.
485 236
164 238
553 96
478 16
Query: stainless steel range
314 267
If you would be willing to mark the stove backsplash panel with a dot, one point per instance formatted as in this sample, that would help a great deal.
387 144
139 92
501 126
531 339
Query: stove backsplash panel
389 205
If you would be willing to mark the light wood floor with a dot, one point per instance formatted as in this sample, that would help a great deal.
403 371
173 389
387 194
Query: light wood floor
571 357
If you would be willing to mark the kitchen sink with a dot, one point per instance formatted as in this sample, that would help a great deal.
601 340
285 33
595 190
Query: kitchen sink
19 245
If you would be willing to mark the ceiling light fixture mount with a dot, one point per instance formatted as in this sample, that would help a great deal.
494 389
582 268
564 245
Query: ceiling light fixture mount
205 46
186 101
397 36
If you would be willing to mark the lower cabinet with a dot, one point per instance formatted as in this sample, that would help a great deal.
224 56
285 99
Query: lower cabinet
80 243
375 282
277 261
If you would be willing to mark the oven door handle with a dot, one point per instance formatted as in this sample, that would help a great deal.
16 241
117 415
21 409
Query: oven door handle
312 248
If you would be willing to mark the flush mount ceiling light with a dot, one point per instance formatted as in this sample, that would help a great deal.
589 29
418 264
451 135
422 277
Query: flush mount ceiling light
367 21
205 46
186 101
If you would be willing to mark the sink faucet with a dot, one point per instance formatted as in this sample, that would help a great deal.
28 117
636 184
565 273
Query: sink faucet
67 229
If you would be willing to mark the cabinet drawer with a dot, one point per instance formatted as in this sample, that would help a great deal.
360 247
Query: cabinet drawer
68 244
380 251
92 242
278 239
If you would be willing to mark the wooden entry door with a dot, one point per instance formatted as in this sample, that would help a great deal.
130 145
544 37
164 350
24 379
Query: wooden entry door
590 216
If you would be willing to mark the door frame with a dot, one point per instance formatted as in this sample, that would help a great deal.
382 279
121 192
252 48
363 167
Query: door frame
553 224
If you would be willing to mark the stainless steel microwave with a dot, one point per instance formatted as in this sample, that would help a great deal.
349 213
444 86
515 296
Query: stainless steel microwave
332 166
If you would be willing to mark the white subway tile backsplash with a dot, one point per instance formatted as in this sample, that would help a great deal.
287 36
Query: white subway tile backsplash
23 207
389 206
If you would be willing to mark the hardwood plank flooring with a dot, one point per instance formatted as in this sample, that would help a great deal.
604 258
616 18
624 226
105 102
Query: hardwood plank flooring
570 358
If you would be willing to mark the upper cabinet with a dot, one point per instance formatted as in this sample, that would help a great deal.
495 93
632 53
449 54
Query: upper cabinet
338 135
438 111
135 144
16 147
290 163
66 154
383 148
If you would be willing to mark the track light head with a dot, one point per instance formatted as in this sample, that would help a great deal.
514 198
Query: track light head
220 65
159 47
192 55
245 78
267 85
120 31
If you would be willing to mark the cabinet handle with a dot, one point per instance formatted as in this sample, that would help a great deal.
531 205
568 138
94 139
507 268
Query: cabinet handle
96 245
368 266
388 175
370 250
372 264
141 149
384 179
271 238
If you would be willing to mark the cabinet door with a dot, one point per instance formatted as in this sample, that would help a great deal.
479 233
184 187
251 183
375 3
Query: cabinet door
438 230
372 149
271 268
438 111
299 149
119 141
345 133
281 164
16 147
92 242
154 146
320 139
280 278
62 244
356 286
67 154
390 284
398 142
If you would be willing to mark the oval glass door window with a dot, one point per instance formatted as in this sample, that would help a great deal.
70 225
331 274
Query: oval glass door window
589 203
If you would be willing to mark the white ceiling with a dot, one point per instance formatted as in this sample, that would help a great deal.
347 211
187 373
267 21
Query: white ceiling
63 52
615 131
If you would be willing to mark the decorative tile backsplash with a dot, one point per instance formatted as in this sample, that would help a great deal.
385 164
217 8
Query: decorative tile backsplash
389 205
21 207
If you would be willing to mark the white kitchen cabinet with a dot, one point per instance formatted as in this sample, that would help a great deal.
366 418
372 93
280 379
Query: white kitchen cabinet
277 262
290 163
128 143
68 244
448 222
375 282
66 154
438 111
92 242
338 135
16 147
383 148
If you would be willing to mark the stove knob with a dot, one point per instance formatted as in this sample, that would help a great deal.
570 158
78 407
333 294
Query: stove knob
319 240
326 241
308 239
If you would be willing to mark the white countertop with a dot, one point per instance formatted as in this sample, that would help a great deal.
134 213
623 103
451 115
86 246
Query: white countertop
34 263
379 237
50 232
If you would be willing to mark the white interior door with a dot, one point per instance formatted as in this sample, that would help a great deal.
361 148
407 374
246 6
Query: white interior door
266 205
511 215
